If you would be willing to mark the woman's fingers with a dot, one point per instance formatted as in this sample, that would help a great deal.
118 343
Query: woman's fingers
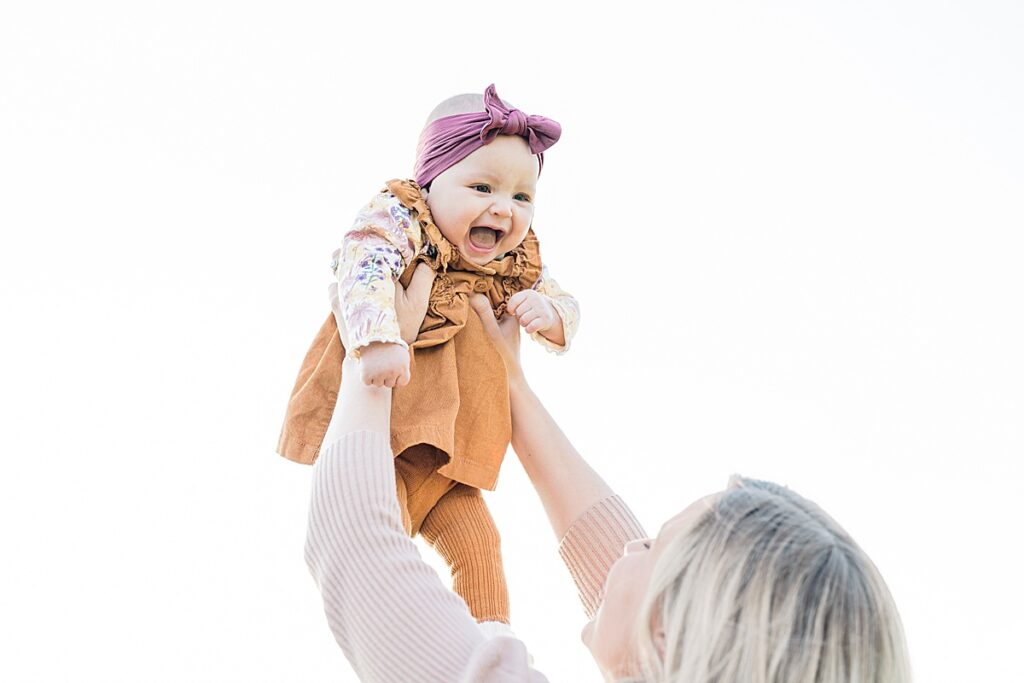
411 303
504 333
480 304
332 293
422 281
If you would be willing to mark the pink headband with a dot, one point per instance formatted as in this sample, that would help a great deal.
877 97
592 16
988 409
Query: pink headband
450 139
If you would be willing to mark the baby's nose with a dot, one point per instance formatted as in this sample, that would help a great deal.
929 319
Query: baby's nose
501 208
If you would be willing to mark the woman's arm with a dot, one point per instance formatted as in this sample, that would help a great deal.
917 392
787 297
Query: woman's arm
387 609
548 457
591 523
550 461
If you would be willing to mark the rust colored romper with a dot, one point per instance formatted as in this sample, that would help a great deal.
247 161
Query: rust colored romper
451 425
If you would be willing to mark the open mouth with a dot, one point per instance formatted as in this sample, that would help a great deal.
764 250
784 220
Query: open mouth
484 239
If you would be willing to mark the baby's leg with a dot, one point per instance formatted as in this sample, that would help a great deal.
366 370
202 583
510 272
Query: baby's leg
418 483
461 530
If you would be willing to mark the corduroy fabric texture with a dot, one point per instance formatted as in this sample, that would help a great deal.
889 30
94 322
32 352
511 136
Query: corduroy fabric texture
451 425
457 399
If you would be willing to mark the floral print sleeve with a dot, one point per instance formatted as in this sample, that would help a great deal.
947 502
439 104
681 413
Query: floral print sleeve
566 305
382 242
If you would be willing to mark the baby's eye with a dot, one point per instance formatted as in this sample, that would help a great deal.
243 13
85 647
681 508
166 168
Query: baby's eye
647 544
480 187
523 197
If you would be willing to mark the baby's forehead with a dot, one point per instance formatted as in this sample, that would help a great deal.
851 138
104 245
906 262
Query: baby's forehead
507 157
466 103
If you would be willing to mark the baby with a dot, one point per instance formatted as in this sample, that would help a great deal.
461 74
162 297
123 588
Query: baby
468 215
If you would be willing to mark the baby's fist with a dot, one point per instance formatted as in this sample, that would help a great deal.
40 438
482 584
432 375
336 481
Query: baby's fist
533 310
383 364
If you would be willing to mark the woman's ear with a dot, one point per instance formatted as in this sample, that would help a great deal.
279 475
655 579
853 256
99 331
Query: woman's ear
658 635
659 641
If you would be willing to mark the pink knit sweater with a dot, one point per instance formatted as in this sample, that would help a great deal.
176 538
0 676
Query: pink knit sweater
389 611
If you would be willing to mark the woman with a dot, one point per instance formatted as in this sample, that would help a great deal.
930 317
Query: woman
751 584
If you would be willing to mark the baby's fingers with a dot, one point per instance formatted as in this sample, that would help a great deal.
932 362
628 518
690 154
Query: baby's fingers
534 322
517 300
528 316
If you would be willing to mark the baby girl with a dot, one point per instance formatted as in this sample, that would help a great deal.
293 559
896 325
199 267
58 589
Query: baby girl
468 216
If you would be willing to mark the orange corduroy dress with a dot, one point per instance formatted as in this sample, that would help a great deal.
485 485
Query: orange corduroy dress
453 418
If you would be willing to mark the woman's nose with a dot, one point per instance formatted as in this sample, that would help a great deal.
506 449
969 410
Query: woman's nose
637 545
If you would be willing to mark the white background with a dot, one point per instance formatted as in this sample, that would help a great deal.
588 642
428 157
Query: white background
795 233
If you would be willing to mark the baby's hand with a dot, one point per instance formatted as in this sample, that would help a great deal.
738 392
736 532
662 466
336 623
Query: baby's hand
384 364
534 311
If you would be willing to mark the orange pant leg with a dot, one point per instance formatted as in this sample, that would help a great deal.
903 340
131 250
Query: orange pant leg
418 483
460 528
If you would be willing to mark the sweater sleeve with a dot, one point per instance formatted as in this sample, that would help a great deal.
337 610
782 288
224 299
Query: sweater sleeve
592 545
382 242
387 608
567 307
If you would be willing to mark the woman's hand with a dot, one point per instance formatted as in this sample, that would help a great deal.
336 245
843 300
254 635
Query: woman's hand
505 335
411 304
385 364
544 451
363 407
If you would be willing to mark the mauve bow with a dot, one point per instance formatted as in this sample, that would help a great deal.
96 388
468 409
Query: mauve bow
539 131
450 139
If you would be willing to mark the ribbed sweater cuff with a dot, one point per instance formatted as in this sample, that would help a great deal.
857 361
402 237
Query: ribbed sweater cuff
360 442
592 545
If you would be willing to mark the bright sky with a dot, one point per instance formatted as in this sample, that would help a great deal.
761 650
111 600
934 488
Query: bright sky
795 233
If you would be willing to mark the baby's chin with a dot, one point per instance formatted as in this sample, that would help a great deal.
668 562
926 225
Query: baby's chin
481 260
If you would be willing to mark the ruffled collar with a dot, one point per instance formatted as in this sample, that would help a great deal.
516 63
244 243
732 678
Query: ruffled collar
442 255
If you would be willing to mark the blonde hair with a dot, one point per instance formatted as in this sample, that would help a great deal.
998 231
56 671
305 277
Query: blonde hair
767 588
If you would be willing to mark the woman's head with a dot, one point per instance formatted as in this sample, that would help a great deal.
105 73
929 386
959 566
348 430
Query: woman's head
754 584
479 159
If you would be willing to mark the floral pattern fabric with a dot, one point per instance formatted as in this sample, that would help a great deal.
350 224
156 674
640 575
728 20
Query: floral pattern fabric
382 242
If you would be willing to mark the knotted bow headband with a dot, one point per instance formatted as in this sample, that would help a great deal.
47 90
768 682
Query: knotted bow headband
450 139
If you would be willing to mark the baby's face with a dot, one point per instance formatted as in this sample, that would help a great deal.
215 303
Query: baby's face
484 204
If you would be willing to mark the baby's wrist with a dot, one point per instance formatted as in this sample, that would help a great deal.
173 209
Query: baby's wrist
556 333
378 346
